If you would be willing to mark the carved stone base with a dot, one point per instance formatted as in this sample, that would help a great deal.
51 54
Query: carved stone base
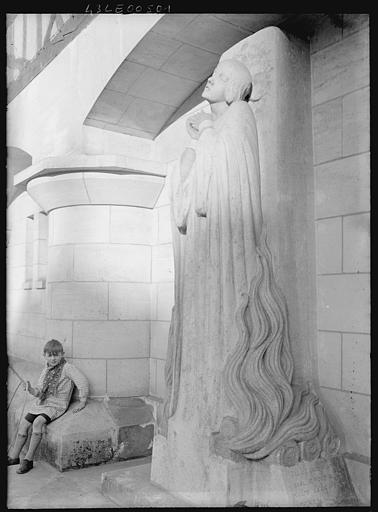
319 483
225 483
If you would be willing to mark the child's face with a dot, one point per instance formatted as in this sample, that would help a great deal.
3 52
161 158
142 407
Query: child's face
53 358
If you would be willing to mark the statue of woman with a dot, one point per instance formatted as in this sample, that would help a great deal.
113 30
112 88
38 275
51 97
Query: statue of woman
229 367
217 209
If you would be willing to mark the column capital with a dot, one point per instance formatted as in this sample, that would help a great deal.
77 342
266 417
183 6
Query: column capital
57 182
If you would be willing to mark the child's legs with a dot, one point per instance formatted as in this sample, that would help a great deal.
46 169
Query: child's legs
24 427
20 439
36 436
38 424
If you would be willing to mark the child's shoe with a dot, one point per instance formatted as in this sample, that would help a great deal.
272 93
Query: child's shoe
25 466
12 462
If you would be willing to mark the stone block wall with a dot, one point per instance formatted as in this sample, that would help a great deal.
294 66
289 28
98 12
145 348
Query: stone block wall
99 293
340 107
26 264
106 292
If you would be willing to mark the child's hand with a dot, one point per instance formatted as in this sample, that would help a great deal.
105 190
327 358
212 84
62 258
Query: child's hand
29 388
79 407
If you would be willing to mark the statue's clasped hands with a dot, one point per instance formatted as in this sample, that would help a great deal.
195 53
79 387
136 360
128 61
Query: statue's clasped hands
193 123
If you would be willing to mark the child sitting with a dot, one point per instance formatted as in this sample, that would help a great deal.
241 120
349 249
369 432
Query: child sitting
53 392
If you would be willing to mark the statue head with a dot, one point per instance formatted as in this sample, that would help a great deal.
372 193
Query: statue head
231 81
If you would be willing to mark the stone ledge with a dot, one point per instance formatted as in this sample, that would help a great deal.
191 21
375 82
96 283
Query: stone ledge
249 484
102 432
133 488
99 163
95 188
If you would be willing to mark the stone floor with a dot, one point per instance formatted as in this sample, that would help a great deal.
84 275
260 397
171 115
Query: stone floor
44 487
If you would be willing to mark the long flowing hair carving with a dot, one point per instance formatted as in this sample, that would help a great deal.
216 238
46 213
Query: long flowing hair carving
258 374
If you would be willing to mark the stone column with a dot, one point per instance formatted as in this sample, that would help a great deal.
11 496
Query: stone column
99 274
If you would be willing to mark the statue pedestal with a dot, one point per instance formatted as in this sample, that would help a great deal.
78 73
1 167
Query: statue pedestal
224 483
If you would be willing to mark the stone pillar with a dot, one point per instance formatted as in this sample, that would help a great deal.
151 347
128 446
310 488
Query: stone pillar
185 459
99 274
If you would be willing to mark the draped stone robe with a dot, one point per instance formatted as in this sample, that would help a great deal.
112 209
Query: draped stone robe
219 207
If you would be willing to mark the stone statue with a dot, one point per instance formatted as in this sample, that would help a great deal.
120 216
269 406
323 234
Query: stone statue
229 366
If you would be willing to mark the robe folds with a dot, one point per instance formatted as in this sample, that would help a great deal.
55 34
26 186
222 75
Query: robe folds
218 207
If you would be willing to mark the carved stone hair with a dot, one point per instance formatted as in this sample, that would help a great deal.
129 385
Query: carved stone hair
239 85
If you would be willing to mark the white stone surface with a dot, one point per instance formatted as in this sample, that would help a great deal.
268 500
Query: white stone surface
118 168
360 474
128 377
162 263
80 224
329 245
356 122
130 189
165 301
17 233
95 371
155 225
78 81
16 255
343 303
158 86
159 339
341 67
356 363
153 301
97 141
57 191
160 379
152 379
129 301
329 359
26 347
28 301
327 131
29 324
24 205
39 276
41 226
40 251
163 199
61 260
130 225
343 186
112 263
356 243
79 301
16 278
164 221
350 414
111 339
28 283
60 330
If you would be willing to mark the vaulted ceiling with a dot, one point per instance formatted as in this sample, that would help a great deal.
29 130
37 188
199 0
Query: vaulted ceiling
163 76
